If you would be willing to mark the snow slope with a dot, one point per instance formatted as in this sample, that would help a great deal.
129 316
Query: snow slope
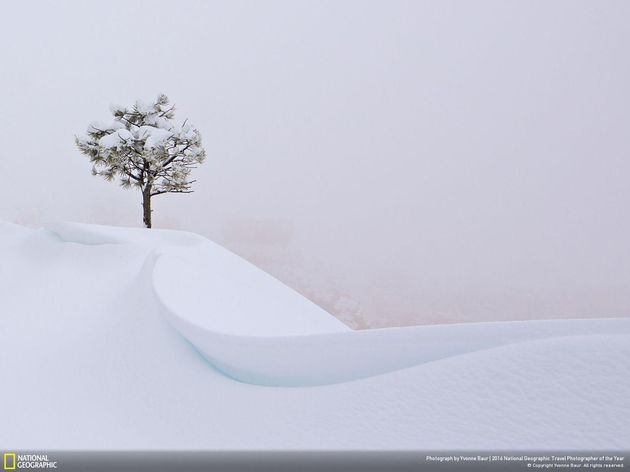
101 329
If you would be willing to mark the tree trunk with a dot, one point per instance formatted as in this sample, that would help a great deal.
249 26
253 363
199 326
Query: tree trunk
146 206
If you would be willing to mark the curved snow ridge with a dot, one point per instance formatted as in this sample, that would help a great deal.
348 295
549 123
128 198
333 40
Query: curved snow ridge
90 234
257 330
11 230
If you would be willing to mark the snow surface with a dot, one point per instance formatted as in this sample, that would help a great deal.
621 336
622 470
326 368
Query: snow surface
101 330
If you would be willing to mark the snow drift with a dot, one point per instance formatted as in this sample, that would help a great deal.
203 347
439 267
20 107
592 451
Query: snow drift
80 314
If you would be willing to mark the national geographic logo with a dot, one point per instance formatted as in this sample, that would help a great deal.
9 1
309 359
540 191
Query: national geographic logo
9 461
13 461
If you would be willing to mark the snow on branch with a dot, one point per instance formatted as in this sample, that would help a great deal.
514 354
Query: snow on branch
144 147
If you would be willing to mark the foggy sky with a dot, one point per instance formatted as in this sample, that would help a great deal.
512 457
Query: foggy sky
397 162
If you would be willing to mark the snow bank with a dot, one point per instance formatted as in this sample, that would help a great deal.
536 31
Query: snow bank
257 330
260 335
93 365
10 230
97 234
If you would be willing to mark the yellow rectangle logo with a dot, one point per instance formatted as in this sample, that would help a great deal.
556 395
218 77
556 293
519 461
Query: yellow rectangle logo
9 461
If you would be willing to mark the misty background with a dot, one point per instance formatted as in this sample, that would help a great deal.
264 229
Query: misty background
397 162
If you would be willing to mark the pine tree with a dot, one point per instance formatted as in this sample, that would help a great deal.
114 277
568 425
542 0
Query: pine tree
145 149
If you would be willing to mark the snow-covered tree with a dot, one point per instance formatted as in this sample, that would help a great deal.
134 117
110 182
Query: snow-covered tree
146 149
